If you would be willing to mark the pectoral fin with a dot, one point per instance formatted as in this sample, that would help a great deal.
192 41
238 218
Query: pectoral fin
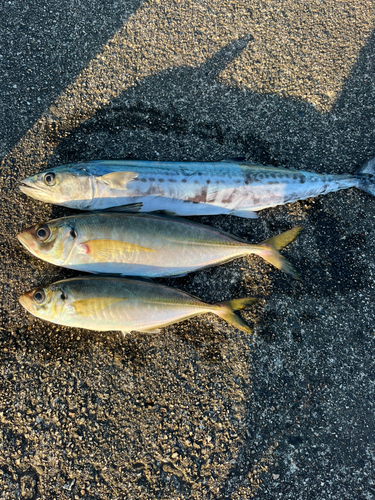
117 180
109 250
88 307
245 214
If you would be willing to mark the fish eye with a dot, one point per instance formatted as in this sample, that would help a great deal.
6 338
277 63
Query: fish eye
39 296
50 178
43 233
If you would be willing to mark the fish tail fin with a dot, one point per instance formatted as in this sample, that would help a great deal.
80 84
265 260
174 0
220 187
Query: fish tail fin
366 177
227 309
270 251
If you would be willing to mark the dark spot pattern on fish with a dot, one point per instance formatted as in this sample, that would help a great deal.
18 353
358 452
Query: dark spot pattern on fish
200 197
229 199
183 180
208 181
302 179
172 180
143 179
151 179
251 176
162 180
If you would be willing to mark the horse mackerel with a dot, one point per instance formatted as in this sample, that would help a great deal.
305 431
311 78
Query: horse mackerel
143 245
119 304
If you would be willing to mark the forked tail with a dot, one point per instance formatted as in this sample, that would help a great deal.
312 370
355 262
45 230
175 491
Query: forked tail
366 177
227 312
269 250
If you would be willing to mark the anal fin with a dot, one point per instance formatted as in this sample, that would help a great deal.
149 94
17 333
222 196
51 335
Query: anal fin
244 213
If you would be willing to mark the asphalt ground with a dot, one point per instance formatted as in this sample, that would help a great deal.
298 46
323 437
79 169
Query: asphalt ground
201 411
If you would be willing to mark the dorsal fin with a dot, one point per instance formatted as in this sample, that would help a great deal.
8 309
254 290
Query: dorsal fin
240 159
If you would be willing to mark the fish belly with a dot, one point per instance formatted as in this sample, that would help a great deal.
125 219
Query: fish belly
133 314
143 315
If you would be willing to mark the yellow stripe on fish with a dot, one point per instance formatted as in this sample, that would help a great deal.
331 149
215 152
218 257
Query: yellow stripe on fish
88 307
108 250
144 245
105 304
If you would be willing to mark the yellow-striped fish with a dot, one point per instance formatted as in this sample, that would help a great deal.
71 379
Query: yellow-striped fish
143 245
106 304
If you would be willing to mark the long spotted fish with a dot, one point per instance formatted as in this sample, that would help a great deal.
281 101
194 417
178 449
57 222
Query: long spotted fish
186 188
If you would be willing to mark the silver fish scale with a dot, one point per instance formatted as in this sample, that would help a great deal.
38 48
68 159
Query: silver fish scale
228 185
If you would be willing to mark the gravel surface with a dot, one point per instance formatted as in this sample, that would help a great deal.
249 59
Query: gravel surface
201 411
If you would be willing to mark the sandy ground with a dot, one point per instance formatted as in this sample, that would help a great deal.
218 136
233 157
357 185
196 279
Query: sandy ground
201 411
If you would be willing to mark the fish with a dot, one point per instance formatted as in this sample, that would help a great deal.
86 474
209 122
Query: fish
231 187
144 245
121 304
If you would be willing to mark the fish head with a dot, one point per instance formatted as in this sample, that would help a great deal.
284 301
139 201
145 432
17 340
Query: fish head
51 241
45 302
68 185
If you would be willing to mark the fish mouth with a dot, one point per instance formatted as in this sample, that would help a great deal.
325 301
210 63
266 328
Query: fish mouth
27 187
20 238
27 183
34 191
25 301
23 239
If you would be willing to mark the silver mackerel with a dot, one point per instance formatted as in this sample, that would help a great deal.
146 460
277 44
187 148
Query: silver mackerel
186 188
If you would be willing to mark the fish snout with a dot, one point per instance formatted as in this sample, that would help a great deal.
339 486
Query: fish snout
26 300
28 238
